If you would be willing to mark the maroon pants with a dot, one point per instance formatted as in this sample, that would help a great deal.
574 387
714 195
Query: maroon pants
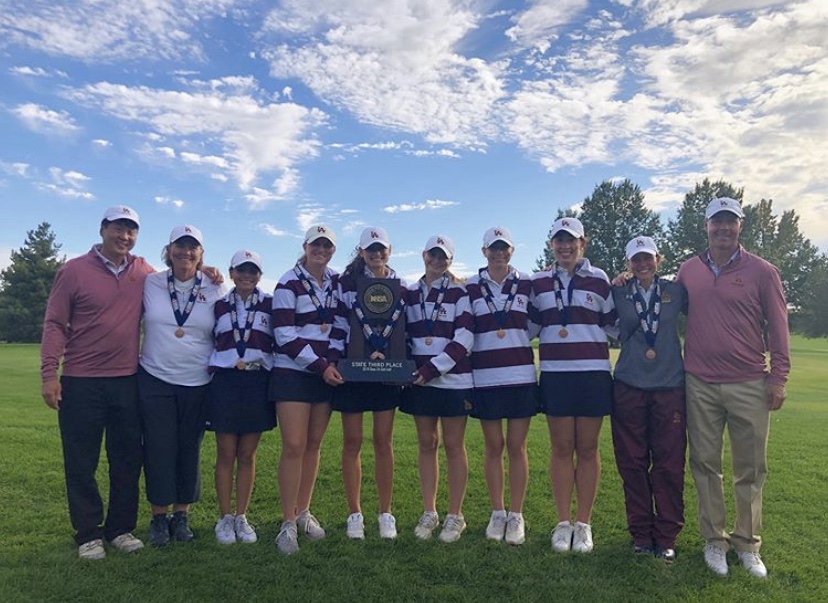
649 437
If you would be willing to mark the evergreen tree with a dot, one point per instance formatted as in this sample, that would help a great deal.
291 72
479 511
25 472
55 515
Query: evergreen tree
26 284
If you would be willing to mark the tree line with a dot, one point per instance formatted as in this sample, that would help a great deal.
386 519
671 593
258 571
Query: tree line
612 215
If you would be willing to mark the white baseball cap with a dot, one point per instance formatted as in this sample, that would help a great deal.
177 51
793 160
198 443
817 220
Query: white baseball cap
179 232
497 233
571 225
641 245
245 256
320 231
724 204
374 234
441 242
121 212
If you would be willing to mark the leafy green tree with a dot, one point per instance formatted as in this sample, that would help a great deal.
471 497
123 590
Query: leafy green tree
26 284
612 215
686 235
812 317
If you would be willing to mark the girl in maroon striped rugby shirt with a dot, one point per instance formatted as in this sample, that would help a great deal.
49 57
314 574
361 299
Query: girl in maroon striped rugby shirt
505 379
440 327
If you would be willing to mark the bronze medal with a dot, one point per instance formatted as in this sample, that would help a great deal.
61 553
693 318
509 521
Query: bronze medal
650 353
563 332
501 333
179 332
323 328
241 364
429 341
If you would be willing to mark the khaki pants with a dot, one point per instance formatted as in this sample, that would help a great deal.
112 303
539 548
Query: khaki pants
743 408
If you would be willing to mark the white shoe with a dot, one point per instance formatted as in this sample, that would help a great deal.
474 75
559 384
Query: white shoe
387 526
582 537
287 541
453 527
515 530
244 531
497 526
126 543
752 562
716 559
226 530
427 524
356 526
92 550
309 525
562 537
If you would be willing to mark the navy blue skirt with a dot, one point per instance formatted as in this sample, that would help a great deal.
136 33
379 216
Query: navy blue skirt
287 385
507 402
576 394
237 402
425 401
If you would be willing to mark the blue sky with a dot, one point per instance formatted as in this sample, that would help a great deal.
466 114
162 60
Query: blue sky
253 120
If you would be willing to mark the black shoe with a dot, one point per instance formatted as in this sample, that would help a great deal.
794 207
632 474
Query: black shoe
639 549
179 530
159 532
666 554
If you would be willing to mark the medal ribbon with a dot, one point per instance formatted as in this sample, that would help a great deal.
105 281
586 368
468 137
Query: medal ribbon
181 317
322 311
648 316
429 322
557 286
240 338
378 340
499 315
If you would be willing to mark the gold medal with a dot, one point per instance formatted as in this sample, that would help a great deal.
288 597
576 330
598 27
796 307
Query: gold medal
501 333
323 328
179 332
563 332
650 353
429 341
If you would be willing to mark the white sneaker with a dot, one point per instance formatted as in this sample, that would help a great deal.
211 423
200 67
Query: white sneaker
356 526
427 524
562 537
226 530
716 559
92 550
453 527
515 530
752 562
126 543
309 525
497 526
582 537
244 531
387 526
287 541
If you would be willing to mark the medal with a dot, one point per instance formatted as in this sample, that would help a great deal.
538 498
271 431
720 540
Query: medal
435 312
429 341
650 353
563 332
648 314
501 333
557 287
181 316
322 310
499 315
179 332
241 364
242 336
323 328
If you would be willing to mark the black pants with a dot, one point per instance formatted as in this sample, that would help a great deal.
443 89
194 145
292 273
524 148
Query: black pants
90 407
173 419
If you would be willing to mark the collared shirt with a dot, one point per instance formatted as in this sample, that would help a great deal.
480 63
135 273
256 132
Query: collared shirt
718 269
116 270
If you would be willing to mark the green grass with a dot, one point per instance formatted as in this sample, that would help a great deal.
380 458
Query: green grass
39 563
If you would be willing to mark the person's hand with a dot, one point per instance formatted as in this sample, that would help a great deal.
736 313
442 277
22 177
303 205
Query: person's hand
52 394
377 356
621 279
331 376
776 395
418 378
214 274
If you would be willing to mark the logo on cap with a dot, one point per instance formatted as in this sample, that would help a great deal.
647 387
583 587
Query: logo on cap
440 241
126 210
639 243
321 229
188 229
374 234
564 222
723 202
247 254
498 233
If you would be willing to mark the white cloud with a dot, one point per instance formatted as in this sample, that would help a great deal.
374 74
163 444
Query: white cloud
274 231
100 142
425 205
65 183
538 25
111 30
45 121
177 203
15 169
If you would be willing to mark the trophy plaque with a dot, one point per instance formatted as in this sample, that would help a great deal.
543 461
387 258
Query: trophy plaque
377 348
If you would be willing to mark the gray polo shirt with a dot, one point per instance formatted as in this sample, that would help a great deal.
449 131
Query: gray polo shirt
666 370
